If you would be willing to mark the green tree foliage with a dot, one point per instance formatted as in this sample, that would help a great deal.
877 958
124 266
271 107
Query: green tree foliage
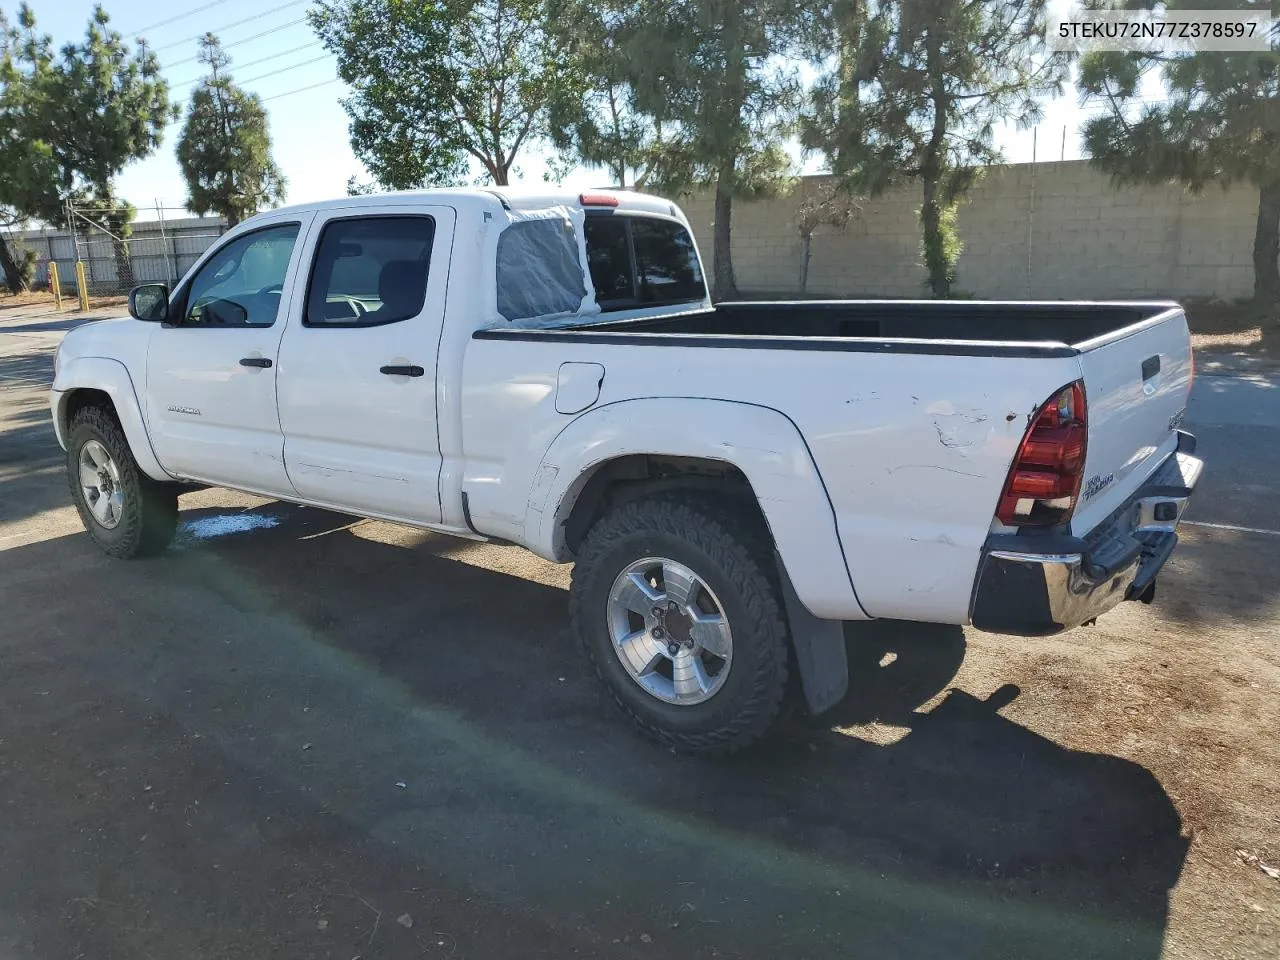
440 83
70 120
224 149
913 90
1220 125
593 117
711 80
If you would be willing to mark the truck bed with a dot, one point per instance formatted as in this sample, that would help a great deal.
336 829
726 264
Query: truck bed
1069 324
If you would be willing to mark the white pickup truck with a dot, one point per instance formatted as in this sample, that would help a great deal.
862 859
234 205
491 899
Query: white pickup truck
732 481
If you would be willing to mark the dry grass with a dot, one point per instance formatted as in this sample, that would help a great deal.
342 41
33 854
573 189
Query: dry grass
9 300
42 298
1235 336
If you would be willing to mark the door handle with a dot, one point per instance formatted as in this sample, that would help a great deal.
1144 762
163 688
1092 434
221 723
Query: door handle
255 362
403 371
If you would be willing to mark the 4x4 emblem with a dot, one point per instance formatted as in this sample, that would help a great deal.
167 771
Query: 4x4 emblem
1096 484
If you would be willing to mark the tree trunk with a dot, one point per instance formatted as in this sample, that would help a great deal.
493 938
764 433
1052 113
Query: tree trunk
124 266
725 286
12 272
233 217
727 119
935 260
1266 245
807 240
932 170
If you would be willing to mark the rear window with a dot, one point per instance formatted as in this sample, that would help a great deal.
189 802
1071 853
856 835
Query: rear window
609 259
666 262
641 261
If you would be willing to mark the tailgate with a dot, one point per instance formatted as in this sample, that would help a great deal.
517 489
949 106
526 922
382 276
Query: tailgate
1136 386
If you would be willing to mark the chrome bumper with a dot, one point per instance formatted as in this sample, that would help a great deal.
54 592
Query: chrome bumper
1035 585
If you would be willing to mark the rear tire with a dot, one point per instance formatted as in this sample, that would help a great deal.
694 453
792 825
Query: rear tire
704 676
126 512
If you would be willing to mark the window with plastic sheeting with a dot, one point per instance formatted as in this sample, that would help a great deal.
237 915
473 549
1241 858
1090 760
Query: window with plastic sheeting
539 270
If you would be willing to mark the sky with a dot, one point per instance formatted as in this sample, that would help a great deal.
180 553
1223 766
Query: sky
275 54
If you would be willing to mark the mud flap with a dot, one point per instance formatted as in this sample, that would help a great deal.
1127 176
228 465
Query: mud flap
819 647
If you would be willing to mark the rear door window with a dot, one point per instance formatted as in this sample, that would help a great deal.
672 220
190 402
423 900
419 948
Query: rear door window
539 272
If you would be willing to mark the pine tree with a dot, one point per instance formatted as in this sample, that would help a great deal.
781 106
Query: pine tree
593 117
913 92
71 121
709 83
1221 125
224 149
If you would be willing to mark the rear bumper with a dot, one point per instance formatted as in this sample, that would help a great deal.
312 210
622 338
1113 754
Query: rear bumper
1034 585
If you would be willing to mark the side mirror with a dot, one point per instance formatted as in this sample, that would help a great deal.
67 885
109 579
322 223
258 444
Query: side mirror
149 302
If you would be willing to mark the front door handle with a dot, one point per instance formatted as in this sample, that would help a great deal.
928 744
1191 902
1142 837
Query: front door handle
255 362
402 371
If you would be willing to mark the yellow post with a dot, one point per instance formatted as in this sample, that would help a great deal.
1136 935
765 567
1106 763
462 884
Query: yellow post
82 285
55 284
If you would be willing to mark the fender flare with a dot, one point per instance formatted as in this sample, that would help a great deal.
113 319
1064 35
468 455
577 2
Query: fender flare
759 441
112 378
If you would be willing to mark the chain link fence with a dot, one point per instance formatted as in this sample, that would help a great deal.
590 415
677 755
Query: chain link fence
117 258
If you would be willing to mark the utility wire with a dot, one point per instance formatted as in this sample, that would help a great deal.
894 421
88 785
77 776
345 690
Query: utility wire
228 46
274 96
238 23
272 73
290 93
277 56
181 16
254 63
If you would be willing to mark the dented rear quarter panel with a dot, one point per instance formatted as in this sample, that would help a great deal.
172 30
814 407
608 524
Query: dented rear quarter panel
911 449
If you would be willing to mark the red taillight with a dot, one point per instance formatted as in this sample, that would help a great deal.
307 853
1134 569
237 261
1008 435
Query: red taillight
1044 480
597 200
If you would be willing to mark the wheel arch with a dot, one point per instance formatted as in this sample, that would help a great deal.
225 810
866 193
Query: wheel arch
609 483
100 381
751 452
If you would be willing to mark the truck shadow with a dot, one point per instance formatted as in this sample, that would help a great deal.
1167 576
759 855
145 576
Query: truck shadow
960 834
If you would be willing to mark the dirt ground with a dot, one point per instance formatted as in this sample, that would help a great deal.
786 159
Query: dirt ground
1236 337
303 735
41 301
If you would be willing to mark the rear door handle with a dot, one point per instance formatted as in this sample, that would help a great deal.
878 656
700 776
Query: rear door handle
255 362
405 371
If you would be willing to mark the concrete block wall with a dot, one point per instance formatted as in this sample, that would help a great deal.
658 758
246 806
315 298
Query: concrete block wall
1048 230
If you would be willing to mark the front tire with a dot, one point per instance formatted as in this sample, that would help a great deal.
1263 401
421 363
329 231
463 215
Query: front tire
126 512
676 601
